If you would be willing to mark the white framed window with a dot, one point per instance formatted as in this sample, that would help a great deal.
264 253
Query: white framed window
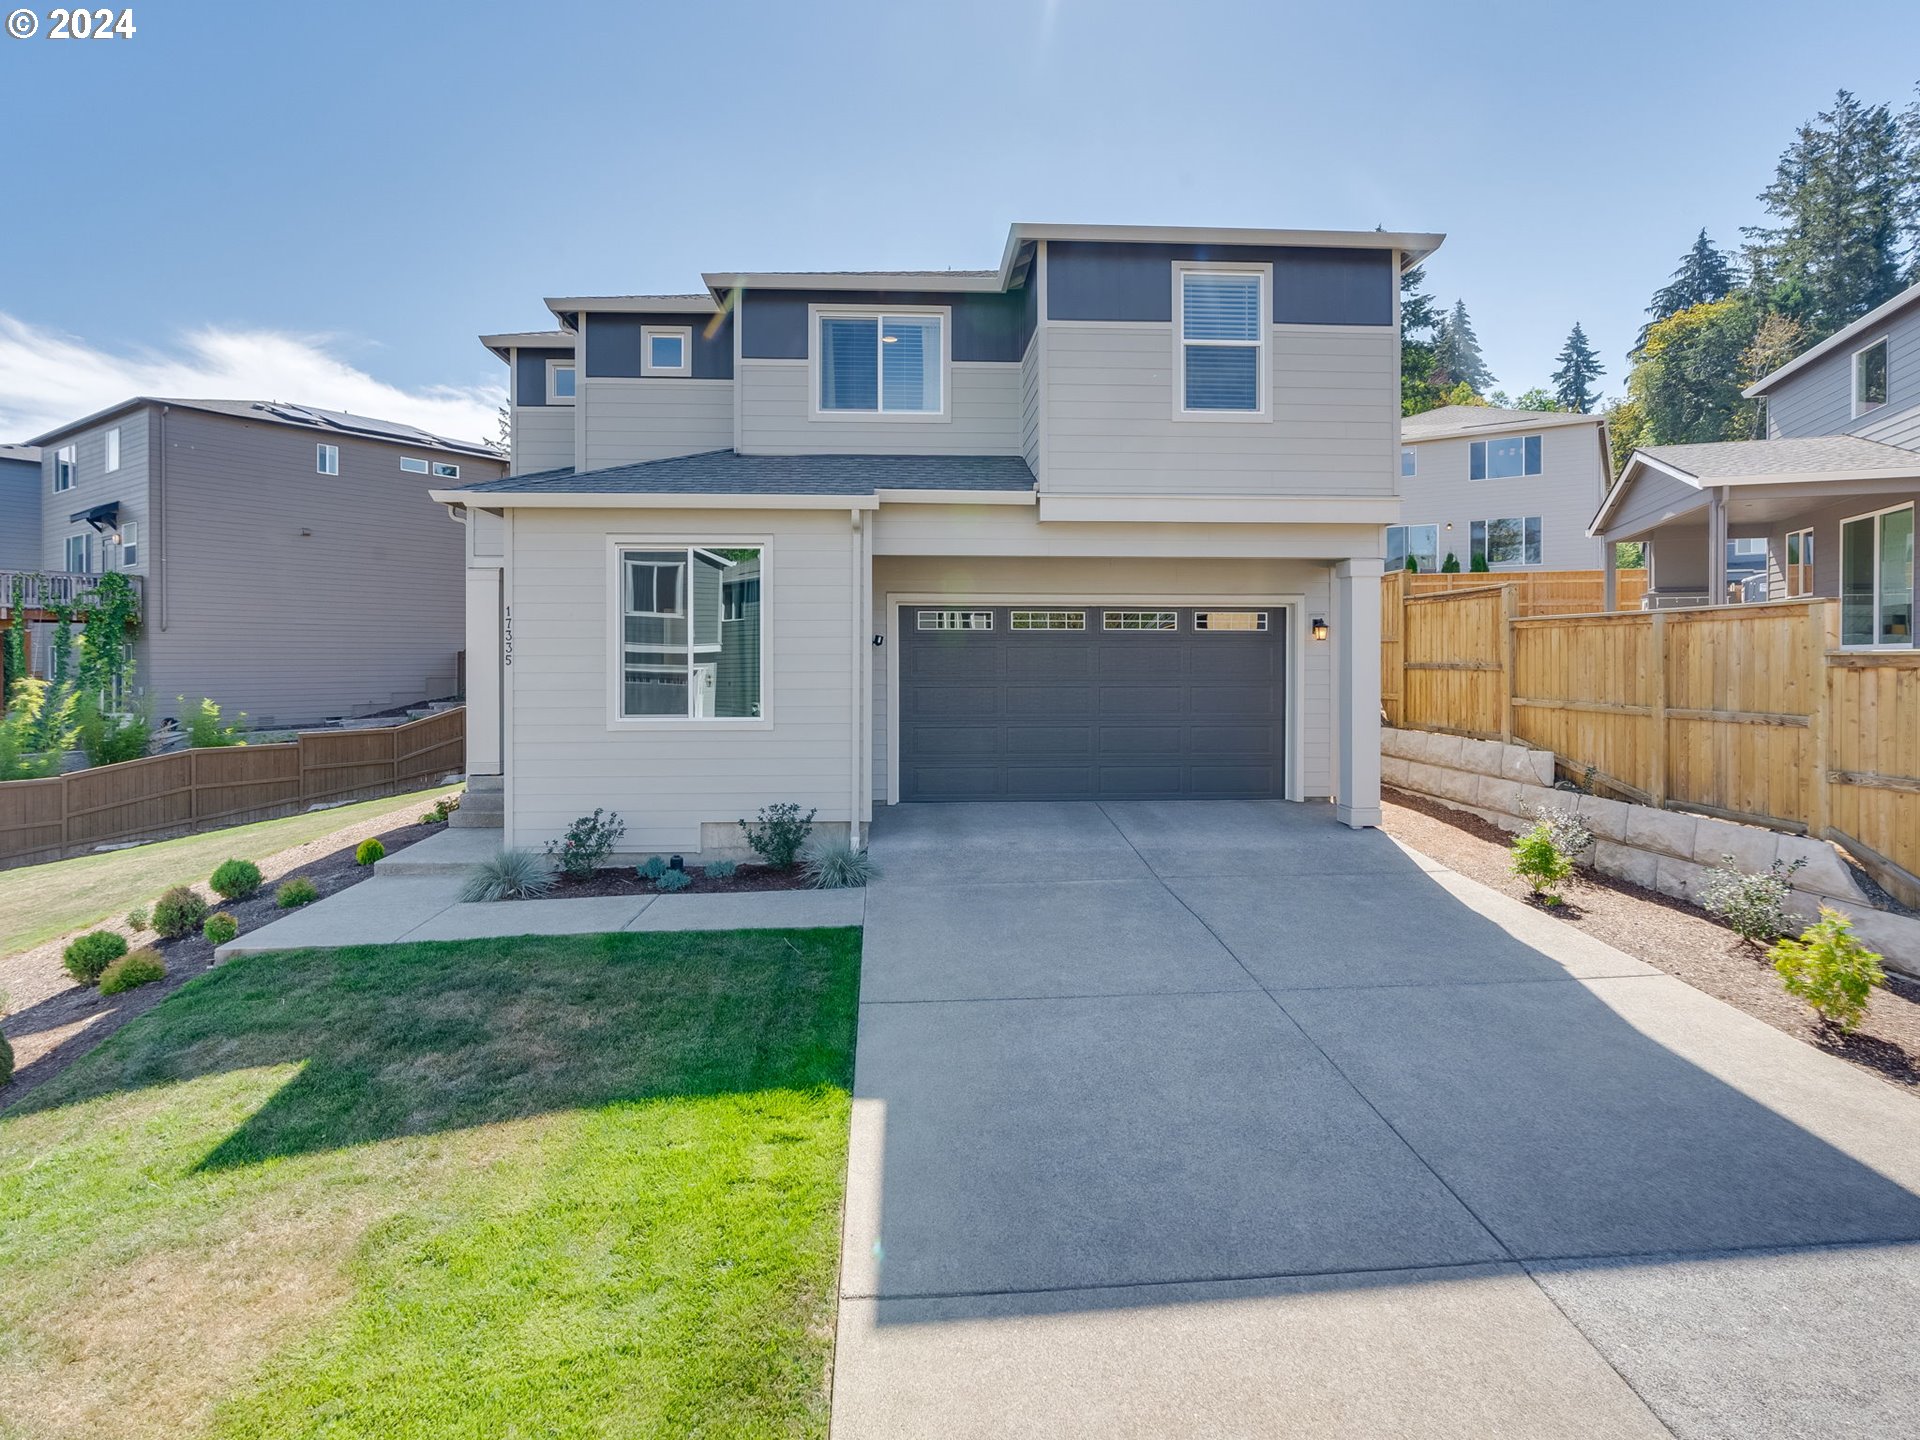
1507 542
113 449
414 465
1799 567
560 382
666 350
871 364
740 599
442 470
1220 332
326 459
1870 377
78 550
1226 622
1409 462
129 544
955 620
1139 620
1876 578
679 657
64 466
1422 542
1507 458
1048 620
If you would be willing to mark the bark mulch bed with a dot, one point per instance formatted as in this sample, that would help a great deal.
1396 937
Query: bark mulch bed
1673 936
628 881
56 1020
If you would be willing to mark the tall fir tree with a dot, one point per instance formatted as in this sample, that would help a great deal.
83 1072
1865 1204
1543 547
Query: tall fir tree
1579 368
1456 354
1705 275
1419 318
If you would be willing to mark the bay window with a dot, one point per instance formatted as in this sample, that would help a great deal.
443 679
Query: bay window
1876 578
691 633
880 363
1514 540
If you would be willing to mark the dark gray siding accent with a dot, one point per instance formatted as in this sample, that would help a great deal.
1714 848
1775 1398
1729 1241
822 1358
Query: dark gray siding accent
613 345
19 515
1029 294
1089 280
985 327
530 384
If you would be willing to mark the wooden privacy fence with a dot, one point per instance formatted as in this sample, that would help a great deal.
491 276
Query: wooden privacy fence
1745 712
1540 592
188 790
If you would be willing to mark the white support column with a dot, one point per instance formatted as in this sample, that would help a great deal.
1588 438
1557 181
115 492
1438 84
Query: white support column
1717 546
484 749
1356 689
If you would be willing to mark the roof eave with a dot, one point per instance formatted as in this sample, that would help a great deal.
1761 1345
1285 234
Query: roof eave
1413 246
647 500
1834 342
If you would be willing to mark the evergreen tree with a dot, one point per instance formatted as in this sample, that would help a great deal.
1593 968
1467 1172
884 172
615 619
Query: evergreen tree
1687 383
1705 275
1456 354
1579 368
1419 318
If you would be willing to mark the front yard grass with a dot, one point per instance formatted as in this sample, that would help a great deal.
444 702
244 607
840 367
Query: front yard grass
555 1187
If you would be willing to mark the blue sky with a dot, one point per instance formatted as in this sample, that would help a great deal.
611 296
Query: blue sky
343 195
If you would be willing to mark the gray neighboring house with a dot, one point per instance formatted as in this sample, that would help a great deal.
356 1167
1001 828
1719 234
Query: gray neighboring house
19 507
1829 495
1517 487
290 560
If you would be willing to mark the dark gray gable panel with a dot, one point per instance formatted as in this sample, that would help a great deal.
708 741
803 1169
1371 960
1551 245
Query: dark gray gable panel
1089 280
613 345
985 327
530 383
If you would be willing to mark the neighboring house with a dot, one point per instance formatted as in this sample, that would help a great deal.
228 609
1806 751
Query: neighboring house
1513 487
290 561
1829 495
19 508
1104 522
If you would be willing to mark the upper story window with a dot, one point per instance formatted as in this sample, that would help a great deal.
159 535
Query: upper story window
413 465
880 364
666 350
679 659
113 449
443 471
64 466
1409 464
1222 342
326 459
1507 458
1870 377
560 378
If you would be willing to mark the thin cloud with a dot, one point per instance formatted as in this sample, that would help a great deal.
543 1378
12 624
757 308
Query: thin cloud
48 379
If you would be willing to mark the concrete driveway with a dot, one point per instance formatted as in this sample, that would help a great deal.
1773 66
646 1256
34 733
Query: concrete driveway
1219 1119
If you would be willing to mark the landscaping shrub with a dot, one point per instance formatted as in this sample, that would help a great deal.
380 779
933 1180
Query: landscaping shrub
236 880
1567 830
1753 906
780 832
6 1060
836 865
295 893
142 967
588 841
137 919
1413 563
442 808
722 870
220 928
653 867
36 729
178 912
673 880
91 953
203 726
1450 565
1541 863
111 739
369 851
1829 969
510 875
1478 566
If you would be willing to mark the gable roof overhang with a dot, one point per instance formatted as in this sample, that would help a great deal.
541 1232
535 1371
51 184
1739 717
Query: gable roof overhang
1839 340
1779 470
503 344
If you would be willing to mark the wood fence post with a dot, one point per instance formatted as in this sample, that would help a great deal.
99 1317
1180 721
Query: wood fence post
1509 612
1819 800
1657 790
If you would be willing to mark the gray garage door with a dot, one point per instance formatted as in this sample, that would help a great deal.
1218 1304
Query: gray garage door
1093 703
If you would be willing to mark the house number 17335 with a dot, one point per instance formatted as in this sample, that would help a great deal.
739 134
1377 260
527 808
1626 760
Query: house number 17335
506 635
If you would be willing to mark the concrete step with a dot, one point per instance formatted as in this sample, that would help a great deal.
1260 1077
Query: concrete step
474 818
451 852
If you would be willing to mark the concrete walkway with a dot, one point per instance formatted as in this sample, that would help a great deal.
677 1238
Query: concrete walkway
1222 1120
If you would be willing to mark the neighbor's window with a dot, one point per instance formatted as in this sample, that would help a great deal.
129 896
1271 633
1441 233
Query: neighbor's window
666 351
129 544
1422 542
1870 377
1222 342
1506 458
1799 562
1140 620
326 459
740 599
63 468
1876 579
77 548
113 449
683 655
880 364
1513 541
1409 464
413 465
1217 621
1048 620
442 470
560 382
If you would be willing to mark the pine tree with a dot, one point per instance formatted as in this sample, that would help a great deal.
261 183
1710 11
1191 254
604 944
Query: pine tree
1705 275
1418 321
1456 354
1579 368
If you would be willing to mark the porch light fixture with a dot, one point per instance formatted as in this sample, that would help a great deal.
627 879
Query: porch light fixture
1319 628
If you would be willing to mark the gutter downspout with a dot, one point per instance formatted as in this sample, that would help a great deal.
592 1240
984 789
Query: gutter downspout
855 686
158 485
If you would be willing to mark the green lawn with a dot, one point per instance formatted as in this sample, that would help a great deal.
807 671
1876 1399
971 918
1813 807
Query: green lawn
568 1187
38 902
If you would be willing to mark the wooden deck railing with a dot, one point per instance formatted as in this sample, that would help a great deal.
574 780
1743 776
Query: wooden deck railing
40 589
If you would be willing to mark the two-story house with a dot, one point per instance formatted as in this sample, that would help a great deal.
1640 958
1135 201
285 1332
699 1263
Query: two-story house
1103 522
19 507
1829 495
1514 489
289 560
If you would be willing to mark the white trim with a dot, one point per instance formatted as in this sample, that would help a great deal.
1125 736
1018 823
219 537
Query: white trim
129 528
325 456
629 305
1840 559
110 442
616 631
1146 612
1224 509
1260 626
588 500
1787 562
1521 564
956 497
1262 413
1409 452
416 465
67 456
682 333
1486 457
879 315
556 363
1886 376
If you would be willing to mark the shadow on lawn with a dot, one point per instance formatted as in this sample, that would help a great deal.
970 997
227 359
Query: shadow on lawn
417 1039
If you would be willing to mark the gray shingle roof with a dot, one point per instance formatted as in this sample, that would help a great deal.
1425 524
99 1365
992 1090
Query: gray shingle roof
306 417
1812 455
725 472
1454 420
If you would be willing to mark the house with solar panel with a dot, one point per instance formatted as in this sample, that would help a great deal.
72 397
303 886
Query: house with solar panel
1105 521
289 560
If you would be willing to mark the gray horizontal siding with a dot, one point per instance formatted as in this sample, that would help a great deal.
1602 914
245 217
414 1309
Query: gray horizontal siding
1825 522
1652 496
20 535
1565 495
542 438
654 419
1819 400
94 485
775 417
1030 402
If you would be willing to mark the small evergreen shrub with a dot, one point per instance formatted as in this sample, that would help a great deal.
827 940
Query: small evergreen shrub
91 953
1450 565
653 867
1753 906
836 865
219 928
137 919
1413 564
236 880
1829 969
510 875
673 880
369 851
1540 862
588 841
721 870
203 726
178 912
295 893
779 834
129 972
1478 565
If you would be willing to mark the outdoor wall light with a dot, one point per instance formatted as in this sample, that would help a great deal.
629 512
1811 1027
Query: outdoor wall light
1319 628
